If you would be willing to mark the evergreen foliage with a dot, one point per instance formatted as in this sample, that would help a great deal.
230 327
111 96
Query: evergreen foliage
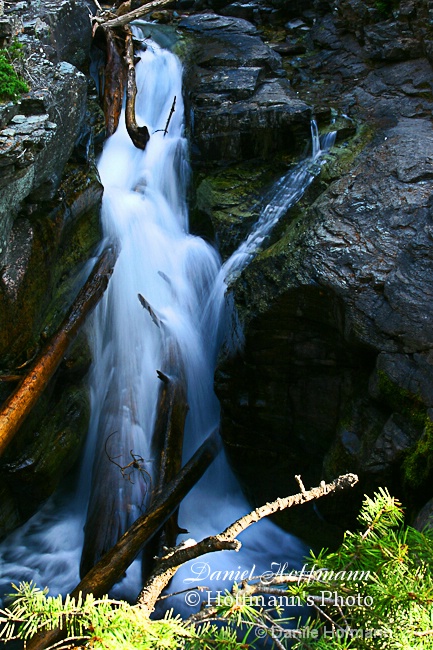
374 592
394 605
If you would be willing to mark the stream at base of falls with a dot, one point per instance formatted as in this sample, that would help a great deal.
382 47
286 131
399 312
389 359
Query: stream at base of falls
144 215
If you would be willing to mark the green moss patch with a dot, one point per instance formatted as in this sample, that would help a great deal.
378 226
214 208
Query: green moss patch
418 462
11 85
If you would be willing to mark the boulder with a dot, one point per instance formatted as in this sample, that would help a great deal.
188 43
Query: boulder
241 107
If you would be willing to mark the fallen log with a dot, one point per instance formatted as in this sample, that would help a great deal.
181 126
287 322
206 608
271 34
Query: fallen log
169 432
18 406
113 564
138 134
116 496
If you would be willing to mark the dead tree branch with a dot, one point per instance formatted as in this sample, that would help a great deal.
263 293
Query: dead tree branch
136 13
127 471
169 564
155 318
114 76
169 430
167 124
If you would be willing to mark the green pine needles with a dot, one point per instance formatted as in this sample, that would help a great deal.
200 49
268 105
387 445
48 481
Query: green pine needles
375 592
391 606
11 84
104 624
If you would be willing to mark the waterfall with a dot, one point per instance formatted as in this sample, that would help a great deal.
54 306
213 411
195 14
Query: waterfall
144 215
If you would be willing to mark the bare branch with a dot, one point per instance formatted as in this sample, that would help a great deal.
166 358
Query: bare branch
168 565
167 124
137 13
300 483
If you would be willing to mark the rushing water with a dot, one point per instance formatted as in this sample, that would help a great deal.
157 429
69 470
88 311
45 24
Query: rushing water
145 216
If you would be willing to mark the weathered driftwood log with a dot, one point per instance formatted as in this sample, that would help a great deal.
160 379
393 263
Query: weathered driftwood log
17 407
169 431
114 80
138 134
114 563
118 492
227 540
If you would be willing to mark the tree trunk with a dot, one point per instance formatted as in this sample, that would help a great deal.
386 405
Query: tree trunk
138 134
114 82
17 407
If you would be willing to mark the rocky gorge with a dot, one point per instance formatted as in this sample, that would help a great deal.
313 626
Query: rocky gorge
335 373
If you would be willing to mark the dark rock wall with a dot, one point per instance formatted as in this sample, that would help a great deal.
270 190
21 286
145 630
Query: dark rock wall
241 105
49 228
336 372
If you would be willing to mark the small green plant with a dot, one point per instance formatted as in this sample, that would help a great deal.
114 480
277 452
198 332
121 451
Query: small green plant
386 7
11 83
106 624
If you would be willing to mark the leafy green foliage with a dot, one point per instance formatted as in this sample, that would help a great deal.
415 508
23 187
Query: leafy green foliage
11 85
106 624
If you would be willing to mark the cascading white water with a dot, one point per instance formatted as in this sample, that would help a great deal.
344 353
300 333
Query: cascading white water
145 216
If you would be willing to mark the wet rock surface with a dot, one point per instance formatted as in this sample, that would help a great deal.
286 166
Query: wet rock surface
241 105
49 227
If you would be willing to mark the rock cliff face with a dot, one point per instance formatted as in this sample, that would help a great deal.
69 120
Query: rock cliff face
336 373
49 227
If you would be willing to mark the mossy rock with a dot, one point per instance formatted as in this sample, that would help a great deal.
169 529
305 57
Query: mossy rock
80 237
46 448
45 262
228 201
417 466
25 285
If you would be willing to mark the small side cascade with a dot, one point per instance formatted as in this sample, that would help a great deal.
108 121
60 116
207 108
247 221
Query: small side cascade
283 195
